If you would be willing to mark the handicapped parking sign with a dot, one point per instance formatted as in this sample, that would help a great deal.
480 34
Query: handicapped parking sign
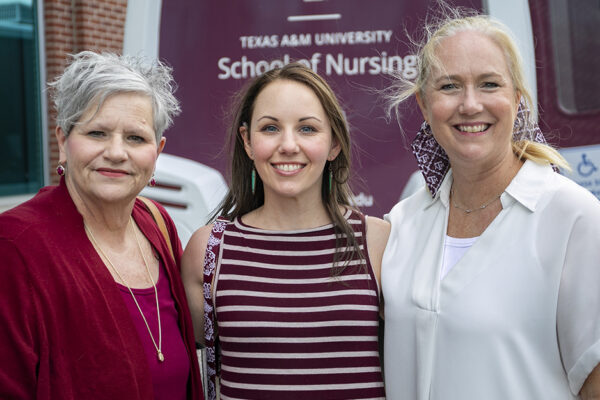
586 167
585 162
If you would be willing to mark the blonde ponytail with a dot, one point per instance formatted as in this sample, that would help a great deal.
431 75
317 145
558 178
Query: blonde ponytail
539 153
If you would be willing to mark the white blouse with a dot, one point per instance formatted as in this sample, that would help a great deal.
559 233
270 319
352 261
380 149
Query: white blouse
517 317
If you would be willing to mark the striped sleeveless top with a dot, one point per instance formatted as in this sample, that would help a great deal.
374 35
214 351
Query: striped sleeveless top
287 329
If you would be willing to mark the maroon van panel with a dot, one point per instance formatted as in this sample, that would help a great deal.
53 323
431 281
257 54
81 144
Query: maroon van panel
565 129
203 40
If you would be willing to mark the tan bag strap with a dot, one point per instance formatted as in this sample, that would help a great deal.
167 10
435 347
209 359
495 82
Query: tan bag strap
160 221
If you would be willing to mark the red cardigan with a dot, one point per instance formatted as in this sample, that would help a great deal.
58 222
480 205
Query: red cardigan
65 332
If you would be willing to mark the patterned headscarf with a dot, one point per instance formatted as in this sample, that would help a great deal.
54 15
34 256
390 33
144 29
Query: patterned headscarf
433 160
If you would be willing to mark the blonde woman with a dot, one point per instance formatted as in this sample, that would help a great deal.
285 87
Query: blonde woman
490 277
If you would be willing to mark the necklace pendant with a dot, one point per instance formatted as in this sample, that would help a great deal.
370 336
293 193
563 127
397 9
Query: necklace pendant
160 356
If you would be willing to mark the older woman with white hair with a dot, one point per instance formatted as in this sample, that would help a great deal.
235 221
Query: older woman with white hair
91 301
490 278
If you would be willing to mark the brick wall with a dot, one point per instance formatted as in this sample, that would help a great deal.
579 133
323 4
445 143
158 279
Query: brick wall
72 26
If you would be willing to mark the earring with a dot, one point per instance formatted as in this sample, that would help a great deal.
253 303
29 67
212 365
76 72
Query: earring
152 181
253 180
60 170
330 178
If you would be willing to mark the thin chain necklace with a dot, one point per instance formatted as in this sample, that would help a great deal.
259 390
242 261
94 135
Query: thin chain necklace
470 210
158 348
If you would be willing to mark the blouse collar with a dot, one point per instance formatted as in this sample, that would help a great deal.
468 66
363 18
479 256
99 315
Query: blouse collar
526 188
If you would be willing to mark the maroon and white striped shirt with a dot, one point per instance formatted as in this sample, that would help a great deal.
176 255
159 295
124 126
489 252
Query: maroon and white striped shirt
288 329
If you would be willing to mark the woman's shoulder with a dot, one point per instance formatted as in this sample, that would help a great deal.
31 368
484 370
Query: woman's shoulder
145 214
569 196
29 216
146 204
200 238
378 231
196 246
204 239
409 206
376 223
542 189
39 231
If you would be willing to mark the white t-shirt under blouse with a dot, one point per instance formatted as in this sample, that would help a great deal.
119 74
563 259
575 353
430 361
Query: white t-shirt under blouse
517 317
454 250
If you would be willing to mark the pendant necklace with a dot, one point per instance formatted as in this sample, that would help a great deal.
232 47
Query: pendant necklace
158 347
470 210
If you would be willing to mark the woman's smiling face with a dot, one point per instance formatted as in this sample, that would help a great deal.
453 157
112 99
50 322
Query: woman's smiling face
111 154
470 100
290 140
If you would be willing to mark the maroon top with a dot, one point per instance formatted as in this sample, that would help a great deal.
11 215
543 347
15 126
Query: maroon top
288 329
169 377
66 332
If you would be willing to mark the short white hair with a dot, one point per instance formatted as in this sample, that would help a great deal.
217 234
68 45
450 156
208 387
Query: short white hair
92 77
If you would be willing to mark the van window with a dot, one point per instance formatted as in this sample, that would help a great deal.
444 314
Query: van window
21 149
576 45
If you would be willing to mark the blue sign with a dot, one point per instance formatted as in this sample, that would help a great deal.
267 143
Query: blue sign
585 162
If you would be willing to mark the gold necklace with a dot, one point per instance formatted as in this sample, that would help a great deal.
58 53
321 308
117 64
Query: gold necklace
470 210
158 348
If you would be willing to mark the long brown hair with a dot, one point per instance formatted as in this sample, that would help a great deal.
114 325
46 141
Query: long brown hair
240 200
